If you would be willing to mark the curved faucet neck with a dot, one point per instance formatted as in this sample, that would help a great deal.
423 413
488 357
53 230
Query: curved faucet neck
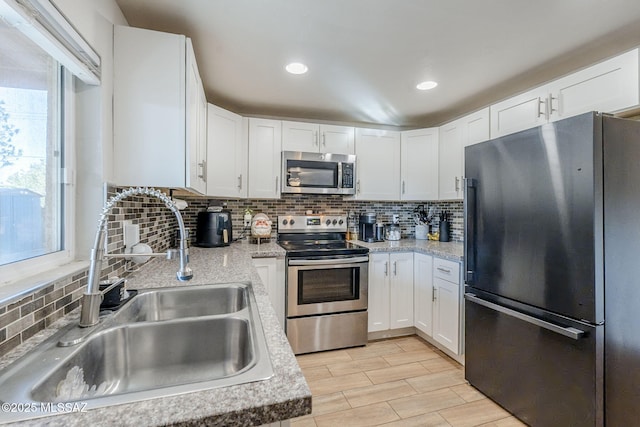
93 297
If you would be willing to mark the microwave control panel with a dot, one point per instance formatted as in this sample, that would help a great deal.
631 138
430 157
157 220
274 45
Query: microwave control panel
347 175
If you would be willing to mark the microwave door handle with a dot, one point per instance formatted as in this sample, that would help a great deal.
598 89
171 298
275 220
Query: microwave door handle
339 174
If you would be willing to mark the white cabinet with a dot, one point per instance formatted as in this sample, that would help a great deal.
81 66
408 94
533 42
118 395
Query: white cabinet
419 164
378 164
271 272
608 86
265 143
454 136
227 154
157 111
313 137
446 304
390 291
423 292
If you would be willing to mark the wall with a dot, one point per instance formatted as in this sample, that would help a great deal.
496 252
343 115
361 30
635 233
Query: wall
298 205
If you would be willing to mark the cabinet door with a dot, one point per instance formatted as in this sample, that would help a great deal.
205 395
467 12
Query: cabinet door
446 313
401 290
265 141
378 164
423 292
378 292
298 136
226 165
149 102
271 272
609 86
419 164
450 161
337 139
195 175
521 112
476 127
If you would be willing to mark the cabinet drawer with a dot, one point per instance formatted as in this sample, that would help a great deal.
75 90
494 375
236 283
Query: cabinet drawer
447 270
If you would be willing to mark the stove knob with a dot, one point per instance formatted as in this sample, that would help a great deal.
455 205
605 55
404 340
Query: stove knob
328 222
285 222
292 222
341 222
335 222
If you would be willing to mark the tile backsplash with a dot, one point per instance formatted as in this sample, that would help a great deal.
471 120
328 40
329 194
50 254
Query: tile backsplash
21 319
298 204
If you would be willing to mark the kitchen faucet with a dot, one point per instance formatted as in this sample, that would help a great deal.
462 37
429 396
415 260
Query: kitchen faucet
90 305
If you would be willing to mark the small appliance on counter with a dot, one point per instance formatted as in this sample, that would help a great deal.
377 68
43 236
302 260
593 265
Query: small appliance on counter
214 228
368 227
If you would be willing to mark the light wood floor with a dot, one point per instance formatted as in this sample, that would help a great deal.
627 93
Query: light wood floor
397 382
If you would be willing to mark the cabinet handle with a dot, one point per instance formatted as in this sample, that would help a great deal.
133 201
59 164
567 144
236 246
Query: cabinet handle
276 185
324 139
240 182
551 109
444 270
540 104
457 184
203 174
433 295
404 187
386 268
315 138
395 268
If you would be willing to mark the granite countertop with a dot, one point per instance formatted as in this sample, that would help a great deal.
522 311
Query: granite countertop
449 250
285 395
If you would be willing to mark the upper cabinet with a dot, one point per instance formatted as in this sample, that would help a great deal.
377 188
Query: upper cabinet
159 116
454 136
265 146
419 164
378 164
608 86
313 137
227 148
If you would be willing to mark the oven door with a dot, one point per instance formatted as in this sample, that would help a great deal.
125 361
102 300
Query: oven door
327 285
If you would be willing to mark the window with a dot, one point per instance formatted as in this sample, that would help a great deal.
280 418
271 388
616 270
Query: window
34 202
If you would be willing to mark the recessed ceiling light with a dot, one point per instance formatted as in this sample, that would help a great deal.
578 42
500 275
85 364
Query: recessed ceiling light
296 68
426 85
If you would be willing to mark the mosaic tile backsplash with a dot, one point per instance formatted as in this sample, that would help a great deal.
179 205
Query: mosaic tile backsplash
22 319
299 204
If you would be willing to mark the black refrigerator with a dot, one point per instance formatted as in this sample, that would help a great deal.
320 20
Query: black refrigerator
552 272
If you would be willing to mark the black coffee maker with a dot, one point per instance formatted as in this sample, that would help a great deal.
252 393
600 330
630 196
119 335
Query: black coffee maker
367 227
213 228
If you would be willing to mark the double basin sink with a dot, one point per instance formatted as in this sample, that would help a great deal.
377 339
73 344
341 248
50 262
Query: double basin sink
162 342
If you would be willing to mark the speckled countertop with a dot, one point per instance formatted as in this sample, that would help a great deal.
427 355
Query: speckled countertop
449 250
285 395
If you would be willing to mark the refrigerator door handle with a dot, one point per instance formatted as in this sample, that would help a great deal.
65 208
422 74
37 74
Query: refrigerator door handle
569 332
469 219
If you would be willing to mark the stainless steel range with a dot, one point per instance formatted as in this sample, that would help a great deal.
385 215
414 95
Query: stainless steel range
327 283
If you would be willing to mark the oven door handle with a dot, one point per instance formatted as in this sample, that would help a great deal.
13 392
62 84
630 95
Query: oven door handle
328 261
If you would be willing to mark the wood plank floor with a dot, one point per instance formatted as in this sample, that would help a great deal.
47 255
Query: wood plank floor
396 382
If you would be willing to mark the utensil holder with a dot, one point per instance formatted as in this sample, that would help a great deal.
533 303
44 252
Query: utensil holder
421 232
445 228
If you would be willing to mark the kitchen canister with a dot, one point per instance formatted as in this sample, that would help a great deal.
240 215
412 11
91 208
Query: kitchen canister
445 230
421 232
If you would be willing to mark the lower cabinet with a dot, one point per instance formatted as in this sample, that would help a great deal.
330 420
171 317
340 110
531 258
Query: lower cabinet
390 291
271 272
438 300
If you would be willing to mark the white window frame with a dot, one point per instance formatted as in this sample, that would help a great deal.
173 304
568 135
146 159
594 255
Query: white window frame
29 267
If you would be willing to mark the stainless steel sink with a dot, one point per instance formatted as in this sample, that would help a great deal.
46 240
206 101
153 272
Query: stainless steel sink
120 362
176 303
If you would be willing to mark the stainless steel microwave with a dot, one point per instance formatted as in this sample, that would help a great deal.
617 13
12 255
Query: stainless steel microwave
318 173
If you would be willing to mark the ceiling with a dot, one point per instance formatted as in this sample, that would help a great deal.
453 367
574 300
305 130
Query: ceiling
365 57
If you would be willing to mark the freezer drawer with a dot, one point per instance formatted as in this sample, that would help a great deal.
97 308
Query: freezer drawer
546 371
